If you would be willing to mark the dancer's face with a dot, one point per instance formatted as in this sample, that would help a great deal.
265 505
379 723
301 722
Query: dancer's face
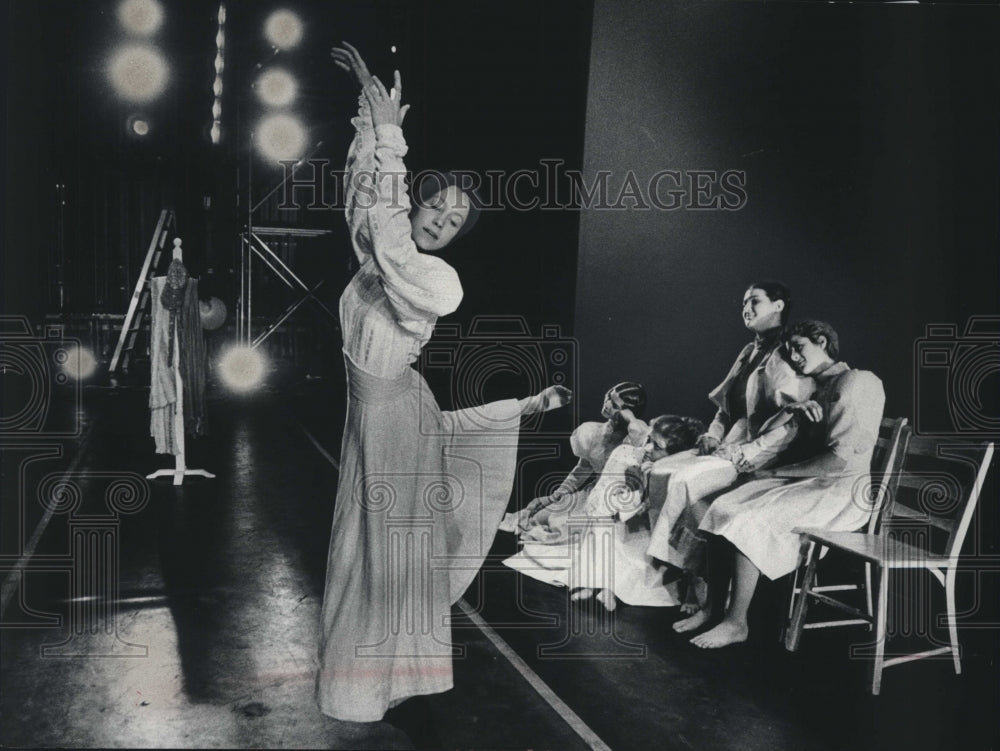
656 447
612 403
760 312
808 357
437 220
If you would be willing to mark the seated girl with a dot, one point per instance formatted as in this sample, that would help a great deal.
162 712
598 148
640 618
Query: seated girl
545 518
756 520
602 540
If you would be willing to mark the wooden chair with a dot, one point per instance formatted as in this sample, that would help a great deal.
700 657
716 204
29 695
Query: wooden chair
887 460
943 481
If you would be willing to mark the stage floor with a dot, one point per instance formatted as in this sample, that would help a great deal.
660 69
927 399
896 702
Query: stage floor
201 629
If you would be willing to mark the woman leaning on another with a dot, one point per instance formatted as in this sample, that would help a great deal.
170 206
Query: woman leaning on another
840 423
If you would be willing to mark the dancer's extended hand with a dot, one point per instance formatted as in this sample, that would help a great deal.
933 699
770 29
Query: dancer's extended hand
349 59
385 106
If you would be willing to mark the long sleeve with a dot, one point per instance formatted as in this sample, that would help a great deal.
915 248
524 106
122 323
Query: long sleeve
415 282
720 425
852 426
358 171
777 436
377 207
576 479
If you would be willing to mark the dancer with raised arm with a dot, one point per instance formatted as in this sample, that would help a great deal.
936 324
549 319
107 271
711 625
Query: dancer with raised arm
421 492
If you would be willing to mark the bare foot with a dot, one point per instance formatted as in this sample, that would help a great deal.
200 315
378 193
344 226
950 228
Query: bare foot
581 594
551 398
696 596
693 622
607 598
726 633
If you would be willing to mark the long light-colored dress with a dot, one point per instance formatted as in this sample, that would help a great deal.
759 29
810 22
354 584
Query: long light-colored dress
758 517
682 486
421 492
598 537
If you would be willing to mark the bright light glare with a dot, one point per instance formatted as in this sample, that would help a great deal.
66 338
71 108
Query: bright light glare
141 17
283 29
138 73
79 363
242 368
140 127
281 137
277 87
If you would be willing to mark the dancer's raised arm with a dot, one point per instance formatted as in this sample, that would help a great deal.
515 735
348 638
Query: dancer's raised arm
378 204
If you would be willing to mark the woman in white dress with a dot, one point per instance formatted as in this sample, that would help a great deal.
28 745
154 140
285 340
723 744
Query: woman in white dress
840 423
597 545
544 520
420 492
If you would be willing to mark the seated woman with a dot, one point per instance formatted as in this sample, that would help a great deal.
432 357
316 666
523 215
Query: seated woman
840 423
603 539
760 382
545 518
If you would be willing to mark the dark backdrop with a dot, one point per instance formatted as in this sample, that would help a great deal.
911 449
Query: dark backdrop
868 137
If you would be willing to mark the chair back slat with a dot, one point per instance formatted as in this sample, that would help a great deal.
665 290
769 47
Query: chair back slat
887 459
957 538
937 486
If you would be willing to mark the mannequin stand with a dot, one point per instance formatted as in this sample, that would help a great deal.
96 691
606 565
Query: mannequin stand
180 469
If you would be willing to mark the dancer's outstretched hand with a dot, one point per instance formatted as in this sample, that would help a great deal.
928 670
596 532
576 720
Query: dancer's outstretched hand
385 104
349 59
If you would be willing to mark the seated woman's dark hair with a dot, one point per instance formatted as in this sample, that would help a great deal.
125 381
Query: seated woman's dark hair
633 397
776 291
429 183
679 433
813 330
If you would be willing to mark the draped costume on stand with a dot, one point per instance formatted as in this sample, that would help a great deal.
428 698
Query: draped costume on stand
190 354
421 492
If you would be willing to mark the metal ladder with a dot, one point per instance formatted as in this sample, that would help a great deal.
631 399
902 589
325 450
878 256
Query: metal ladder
140 296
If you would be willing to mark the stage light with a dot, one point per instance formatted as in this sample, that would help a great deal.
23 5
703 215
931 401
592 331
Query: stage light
77 363
276 87
138 126
283 29
242 368
142 17
138 73
392 49
280 137
215 130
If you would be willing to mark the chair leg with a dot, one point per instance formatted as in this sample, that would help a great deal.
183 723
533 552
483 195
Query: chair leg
809 553
880 629
868 590
949 588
